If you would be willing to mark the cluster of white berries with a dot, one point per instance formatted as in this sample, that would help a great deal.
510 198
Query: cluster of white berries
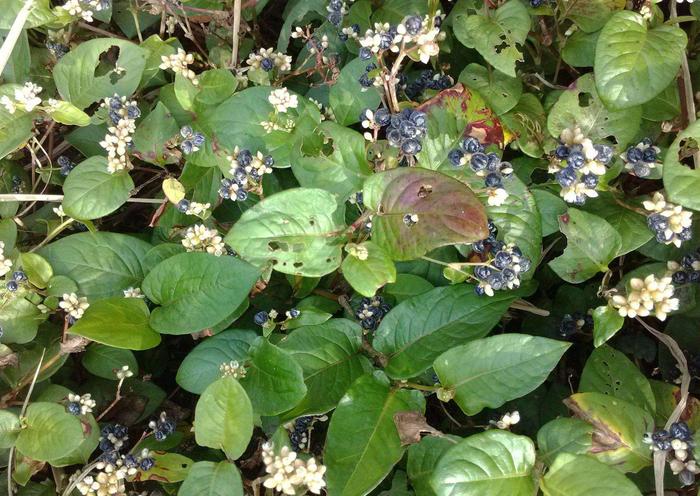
109 481
132 292
123 372
178 62
85 401
5 263
268 59
287 472
645 296
25 97
670 223
232 369
83 8
73 305
506 421
282 100
201 238
118 140
198 209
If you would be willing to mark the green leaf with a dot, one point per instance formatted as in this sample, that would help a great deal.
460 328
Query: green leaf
501 92
394 11
347 98
579 50
118 322
37 269
103 361
563 435
592 243
50 432
201 366
665 106
101 263
153 133
581 106
606 322
91 191
329 355
82 453
496 36
76 79
619 429
10 428
407 286
367 267
363 444
581 475
448 211
20 320
274 381
422 460
526 121
39 14
212 479
343 171
610 372
452 115
550 207
493 462
680 181
216 86
631 226
591 15
490 371
8 234
223 417
196 291
633 64
296 231
15 128
67 113
414 333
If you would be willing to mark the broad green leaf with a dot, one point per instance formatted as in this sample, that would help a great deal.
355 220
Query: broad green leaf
39 14
666 397
16 127
581 475
91 191
415 332
501 92
223 418
102 263
329 355
452 115
394 11
493 462
294 14
497 36
527 121
367 267
103 361
630 225
633 64
550 207
8 235
488 372
118 322
196 291
591 15
347 98
82 453
579 50
581 106
618 429
343 171
50 432
610 372
20 320
563 435
153 133
448 212
67 113
606 322
592 243
212 479
665 106
201 366
169 467
680 181
37 269
422 460
274 380
77 81
10 428
363 444
216 86
407 286
296 231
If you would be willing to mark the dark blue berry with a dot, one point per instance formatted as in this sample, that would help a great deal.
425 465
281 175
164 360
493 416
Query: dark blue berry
479 161
413 24
147 464
261 318
410 147
73 408
12 286
590 180
634 154
680 277
493 180
244 158
455 157
566 177
561 152
382 116
183 205
335 18
641 169
482 272
575 160
680 430
294 313
19 276
649 155
502 260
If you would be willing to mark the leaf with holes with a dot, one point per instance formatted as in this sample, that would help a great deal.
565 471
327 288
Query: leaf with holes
453 114
297 231
447 212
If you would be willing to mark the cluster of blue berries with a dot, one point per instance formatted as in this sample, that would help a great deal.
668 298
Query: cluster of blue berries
58 50
427 79
406 129
365 80
191 140
678 444
112 440
299 437
688 271
18 277
336 11
574 323
247 171
144 463
162 427
65 164
641 158
504 264
118 107
371 312
17 184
